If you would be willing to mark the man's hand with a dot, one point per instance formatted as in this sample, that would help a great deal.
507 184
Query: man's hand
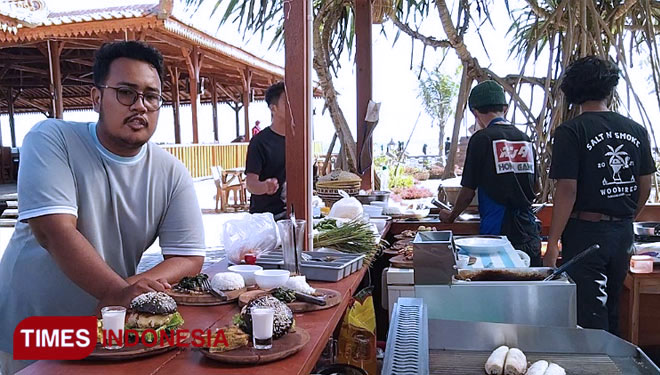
445 216
271 186
551 255
124 296
135 278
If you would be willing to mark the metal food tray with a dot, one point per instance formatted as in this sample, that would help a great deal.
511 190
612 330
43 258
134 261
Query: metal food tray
343 266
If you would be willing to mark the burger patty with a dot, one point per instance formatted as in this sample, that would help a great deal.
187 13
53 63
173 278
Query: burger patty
143 321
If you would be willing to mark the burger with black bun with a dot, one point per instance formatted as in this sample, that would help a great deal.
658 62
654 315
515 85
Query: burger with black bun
153 310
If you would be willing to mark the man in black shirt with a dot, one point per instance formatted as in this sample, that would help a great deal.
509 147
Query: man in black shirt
602 165
500 165
265 165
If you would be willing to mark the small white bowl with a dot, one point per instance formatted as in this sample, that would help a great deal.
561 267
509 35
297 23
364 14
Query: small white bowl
379 222
378 204
372 210
270 279
247 271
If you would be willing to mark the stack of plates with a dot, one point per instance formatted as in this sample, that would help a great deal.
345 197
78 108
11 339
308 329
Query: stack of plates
328 186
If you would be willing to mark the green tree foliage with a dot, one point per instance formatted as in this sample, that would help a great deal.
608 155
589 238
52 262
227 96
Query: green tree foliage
438 91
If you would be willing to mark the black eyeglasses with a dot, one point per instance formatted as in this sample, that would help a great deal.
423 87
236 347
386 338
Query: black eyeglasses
127 96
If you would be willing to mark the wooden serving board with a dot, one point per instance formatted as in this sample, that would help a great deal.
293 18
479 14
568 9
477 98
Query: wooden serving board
391 252
140 350
399 262
283 347
333 298
205 299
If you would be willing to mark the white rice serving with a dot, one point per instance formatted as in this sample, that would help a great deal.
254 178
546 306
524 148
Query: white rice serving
299 284
227 281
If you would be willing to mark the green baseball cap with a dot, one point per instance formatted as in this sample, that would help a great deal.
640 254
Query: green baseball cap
485 94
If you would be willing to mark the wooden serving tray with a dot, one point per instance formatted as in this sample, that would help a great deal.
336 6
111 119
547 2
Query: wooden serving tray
138 351
205 299
333 299
399 262
283 347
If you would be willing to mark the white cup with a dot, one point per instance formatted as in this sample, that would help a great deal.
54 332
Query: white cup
113 321
262 327
462 261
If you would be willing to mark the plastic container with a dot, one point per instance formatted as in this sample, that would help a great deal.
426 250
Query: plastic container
641 264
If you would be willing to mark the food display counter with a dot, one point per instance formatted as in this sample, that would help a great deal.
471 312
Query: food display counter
420 344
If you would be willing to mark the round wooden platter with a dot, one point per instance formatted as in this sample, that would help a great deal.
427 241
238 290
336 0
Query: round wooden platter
128 352
399 262
283 347
332 299
205 299
391 251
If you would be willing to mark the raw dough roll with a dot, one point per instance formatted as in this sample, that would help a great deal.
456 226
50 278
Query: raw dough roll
555 369
515 363
495 362
538 368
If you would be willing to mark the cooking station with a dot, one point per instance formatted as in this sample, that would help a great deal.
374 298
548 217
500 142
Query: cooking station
479 293
420 344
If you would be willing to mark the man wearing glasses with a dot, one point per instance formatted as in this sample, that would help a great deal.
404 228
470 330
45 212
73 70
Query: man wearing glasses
93 197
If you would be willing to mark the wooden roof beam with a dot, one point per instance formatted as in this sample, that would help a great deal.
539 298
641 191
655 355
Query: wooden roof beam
226 91
80 62
29 69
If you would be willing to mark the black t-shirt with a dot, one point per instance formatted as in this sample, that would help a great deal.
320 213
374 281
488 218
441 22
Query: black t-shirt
500 161
265 158
606 153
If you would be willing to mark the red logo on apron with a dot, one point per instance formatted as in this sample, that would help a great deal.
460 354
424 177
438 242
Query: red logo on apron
513 156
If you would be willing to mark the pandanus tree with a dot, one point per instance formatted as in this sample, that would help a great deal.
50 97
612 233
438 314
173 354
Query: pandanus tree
551 32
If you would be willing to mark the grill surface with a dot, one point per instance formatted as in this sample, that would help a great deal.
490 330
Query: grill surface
407 344
472 363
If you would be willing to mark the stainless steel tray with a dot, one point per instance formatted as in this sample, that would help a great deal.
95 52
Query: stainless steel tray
318 269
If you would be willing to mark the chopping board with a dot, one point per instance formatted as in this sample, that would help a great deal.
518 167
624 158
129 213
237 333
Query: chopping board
138 351
333 298
205 299
283 347
399 262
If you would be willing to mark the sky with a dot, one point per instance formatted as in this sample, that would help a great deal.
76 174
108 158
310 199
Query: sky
395 80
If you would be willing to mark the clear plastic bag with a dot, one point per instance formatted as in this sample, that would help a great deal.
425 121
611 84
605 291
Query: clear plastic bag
346 208
252 234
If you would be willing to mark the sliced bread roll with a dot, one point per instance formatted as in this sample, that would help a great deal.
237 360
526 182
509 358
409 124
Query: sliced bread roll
515 363
538 368
495 363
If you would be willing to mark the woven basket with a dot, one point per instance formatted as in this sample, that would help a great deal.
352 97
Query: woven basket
380 10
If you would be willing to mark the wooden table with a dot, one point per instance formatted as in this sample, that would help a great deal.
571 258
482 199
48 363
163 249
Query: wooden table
638 284
320 325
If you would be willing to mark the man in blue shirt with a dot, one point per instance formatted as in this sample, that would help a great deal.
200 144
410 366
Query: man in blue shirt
500 166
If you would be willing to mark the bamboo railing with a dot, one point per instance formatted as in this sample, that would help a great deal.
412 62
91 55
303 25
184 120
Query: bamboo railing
200 158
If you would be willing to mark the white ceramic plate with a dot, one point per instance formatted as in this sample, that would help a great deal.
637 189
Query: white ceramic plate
481 245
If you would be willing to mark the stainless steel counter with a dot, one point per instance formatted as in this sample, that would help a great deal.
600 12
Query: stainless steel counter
419 344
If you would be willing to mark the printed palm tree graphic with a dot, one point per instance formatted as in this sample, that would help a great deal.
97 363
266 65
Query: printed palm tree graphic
618 161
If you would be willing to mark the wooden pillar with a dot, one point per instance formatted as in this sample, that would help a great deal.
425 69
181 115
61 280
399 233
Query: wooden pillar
54 52
298 83
214 99
363 61
176 102
10 109
247 83
194 62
